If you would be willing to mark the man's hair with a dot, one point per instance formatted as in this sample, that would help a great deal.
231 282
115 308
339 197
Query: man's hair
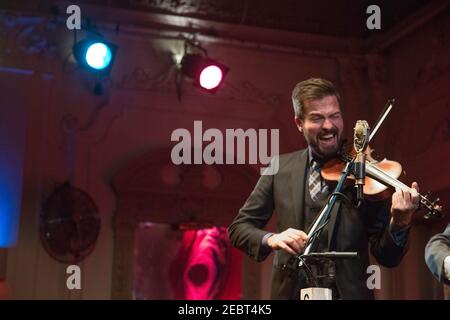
313 88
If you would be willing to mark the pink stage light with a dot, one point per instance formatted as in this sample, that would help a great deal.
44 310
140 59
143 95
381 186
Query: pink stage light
210 77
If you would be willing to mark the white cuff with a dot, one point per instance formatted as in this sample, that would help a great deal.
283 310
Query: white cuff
447 267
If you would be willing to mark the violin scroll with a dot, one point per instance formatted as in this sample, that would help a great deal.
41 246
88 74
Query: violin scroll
434 210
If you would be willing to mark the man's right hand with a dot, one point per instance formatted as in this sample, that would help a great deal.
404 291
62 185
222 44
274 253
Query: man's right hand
292 241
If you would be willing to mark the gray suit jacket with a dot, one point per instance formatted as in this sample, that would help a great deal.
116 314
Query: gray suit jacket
437 248
348 230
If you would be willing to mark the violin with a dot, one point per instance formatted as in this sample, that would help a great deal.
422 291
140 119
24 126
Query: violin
380 176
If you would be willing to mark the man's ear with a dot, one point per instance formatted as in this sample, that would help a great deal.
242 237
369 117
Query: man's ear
298 122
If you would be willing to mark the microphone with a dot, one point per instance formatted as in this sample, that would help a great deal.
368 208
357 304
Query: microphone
360 141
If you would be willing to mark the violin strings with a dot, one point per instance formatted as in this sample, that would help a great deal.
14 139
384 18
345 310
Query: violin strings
394 182
377 173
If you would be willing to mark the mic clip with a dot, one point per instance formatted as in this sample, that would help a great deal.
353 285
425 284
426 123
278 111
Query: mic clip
360 174
359 163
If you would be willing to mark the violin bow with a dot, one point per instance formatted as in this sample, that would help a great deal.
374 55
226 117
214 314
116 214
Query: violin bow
387 108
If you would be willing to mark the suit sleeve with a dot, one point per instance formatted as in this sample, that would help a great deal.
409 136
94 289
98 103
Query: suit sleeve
383 246
436 250
246 231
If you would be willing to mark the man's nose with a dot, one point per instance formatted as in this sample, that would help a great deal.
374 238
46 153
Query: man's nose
327 124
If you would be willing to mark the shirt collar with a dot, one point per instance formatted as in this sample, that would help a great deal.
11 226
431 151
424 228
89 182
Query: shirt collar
312 158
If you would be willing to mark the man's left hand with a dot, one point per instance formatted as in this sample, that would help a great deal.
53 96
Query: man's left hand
404 203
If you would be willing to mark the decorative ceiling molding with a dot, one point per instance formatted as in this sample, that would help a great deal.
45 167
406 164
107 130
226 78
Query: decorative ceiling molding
168 26
410 24
325 27
334 18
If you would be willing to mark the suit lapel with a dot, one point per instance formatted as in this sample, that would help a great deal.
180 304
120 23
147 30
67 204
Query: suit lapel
298 185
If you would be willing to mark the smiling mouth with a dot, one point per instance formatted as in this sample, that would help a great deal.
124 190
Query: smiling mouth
328 139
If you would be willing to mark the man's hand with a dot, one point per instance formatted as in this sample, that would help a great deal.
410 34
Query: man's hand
291 240
404 203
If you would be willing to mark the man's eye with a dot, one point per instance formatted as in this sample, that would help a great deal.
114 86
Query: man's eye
336 116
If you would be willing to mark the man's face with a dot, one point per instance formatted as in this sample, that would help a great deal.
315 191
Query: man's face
322 125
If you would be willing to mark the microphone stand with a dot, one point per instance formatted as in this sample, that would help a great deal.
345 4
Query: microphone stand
318 226
324 215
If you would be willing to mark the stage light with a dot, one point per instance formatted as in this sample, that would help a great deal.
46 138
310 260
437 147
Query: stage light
210 77
98 56
94 55
207 73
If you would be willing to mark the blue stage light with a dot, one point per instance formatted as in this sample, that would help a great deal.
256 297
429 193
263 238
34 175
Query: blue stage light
94 55
98 56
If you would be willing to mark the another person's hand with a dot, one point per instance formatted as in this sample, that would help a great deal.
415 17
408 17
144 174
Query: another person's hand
292 241
404 203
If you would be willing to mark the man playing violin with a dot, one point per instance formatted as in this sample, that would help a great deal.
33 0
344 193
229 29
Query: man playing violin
297 193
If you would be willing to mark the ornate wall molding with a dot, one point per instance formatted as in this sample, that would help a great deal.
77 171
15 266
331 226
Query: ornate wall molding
352 72
377 70
28 35
437 65
244 91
